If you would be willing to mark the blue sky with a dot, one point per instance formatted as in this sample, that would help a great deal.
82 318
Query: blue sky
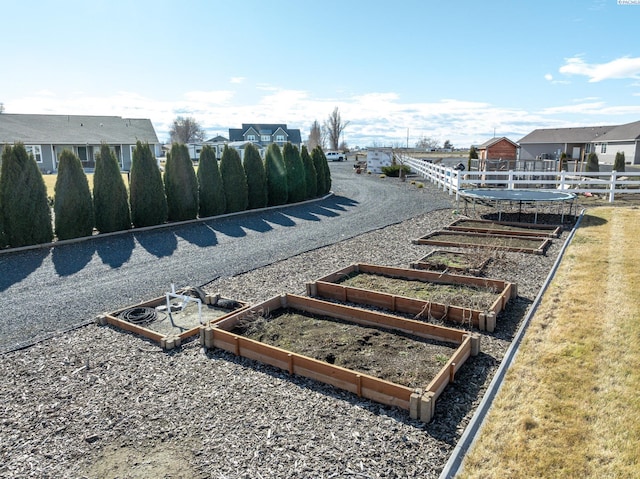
456 70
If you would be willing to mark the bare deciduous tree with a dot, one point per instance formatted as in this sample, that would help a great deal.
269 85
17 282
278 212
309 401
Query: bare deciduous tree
186 130
335 126
427 142
315 136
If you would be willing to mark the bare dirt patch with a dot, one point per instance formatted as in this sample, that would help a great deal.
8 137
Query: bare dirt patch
470 297
400 358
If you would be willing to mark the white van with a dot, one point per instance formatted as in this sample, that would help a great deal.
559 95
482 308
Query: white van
335 156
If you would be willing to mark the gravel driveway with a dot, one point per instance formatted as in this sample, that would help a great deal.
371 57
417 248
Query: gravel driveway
52 289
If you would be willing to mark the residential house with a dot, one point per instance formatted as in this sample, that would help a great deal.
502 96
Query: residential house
262 135
217 143
577 143
46 136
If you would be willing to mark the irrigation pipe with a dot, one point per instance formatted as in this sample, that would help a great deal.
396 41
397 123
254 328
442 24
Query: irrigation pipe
453 465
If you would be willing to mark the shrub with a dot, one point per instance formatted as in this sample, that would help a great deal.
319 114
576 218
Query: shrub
394 170
296 182
180 185
210 187
310 175
146 192
277 190
73 205
256 177
592 163
110 202
322 168
25 215
618 164
563 161
234 180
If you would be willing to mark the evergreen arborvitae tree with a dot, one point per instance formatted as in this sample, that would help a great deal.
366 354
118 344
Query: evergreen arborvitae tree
25 215
146 192
327 174
473 155
310 175
256 177
234 181
318 162
296 181
277 190
110 201
618 164
210 188
73 205
180 185
592 163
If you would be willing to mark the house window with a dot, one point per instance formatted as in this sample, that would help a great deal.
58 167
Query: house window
36 151
587 148
603 148
280 138
265 138
251 137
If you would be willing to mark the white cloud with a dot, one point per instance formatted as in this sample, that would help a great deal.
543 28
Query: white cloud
237 80
219 97
548 77
380 117
620 68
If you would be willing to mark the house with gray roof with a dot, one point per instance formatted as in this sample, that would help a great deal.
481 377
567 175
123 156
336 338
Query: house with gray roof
46 136
577 143
262 135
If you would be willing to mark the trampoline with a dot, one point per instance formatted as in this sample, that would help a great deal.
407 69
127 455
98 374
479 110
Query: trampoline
499 196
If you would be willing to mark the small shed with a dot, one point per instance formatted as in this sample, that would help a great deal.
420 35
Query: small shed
498 153
377 158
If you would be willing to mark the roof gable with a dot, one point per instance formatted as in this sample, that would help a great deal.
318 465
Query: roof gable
74 129
495 141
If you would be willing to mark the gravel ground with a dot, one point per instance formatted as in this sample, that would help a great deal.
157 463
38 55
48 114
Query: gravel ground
50 289
98 402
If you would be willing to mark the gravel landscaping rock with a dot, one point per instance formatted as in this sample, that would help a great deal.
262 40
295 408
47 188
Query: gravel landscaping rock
99 402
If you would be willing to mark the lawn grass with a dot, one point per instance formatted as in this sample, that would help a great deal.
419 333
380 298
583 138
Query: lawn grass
50 182
570 406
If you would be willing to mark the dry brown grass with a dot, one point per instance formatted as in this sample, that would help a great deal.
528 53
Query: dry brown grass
570 404
50 182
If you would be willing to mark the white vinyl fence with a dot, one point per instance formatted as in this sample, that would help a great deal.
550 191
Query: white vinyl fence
451 180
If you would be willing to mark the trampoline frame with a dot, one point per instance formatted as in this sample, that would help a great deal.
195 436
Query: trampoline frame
519 196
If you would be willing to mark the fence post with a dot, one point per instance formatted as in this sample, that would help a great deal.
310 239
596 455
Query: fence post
510 185
458 181
562 175
612 188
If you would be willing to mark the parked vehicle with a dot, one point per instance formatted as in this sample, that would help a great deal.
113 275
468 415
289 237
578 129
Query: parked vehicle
335 156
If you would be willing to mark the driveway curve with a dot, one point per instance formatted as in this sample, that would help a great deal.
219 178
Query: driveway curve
46 290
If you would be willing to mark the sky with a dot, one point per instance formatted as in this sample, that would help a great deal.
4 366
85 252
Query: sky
397 71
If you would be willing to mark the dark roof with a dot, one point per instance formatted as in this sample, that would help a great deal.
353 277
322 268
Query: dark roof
217 139
236 134
493 141
74 129
565 135
626 132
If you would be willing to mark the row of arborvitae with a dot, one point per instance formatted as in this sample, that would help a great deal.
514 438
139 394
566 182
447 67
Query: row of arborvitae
285 176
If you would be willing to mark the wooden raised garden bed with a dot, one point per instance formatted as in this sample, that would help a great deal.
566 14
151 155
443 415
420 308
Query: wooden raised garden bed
152 319
464 239
230 334
452 262
505 228
424 294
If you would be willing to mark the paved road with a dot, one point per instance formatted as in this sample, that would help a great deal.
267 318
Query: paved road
52 289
